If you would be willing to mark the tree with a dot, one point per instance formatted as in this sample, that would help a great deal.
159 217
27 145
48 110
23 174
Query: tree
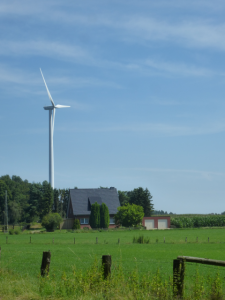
63 201
56 201
123 197
3 188
51 221
46 200
129 215
19 190
104 216
14 212
95 216
143 198
34 208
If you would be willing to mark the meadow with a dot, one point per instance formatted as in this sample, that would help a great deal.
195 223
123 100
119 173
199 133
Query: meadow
22 259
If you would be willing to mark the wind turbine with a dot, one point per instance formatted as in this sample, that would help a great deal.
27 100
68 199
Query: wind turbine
51 110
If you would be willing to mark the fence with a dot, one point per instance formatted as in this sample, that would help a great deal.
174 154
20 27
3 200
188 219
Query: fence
179 271
67 224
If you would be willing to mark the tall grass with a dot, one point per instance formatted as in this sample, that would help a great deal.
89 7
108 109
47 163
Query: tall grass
91 285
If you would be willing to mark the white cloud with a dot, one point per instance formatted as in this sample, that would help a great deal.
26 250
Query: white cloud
153 129
187 31
78 55
28 81
208 175
43 48
80 82
178 68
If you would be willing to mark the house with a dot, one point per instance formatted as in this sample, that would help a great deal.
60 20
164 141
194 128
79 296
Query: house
80 201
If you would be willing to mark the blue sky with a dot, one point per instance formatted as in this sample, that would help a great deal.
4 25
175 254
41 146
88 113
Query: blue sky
146 84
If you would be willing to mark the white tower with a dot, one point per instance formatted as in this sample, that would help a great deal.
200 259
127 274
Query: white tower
51 110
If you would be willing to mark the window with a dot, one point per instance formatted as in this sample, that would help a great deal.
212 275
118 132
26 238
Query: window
111 221
84 220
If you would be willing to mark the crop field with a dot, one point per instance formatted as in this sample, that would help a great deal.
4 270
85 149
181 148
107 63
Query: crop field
21 257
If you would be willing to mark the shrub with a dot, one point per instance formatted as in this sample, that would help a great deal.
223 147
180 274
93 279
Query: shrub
51 221
141 240
17 231
11 231
76 224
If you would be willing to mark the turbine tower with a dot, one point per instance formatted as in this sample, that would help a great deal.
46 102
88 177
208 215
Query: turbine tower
51 110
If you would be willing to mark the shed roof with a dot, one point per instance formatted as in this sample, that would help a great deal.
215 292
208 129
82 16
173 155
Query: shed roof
80 199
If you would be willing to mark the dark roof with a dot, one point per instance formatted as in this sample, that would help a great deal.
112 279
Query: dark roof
82 199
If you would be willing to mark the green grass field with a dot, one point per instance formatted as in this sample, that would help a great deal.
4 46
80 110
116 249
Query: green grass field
21 257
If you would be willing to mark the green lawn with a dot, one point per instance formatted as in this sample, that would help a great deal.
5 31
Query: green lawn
21 256
24 258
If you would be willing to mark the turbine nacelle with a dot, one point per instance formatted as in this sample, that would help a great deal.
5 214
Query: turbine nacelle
61 106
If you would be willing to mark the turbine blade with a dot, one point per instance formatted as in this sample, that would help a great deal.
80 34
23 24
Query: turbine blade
60 106
49 95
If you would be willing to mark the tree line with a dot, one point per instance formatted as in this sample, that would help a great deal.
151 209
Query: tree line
29 202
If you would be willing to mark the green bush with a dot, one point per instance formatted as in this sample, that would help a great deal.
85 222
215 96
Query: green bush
51 221
11 231
17 231
76 224
141 240
129 215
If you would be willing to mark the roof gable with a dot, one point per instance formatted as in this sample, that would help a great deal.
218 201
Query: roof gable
92 200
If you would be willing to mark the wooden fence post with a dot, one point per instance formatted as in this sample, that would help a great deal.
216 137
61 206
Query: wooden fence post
106 263
53 241
74 241
164 240
6 240
208 239
96 240
30 239
45 265
186 240
118 241
178 277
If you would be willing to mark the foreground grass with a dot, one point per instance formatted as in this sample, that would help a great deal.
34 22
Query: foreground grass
91 285
134 266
